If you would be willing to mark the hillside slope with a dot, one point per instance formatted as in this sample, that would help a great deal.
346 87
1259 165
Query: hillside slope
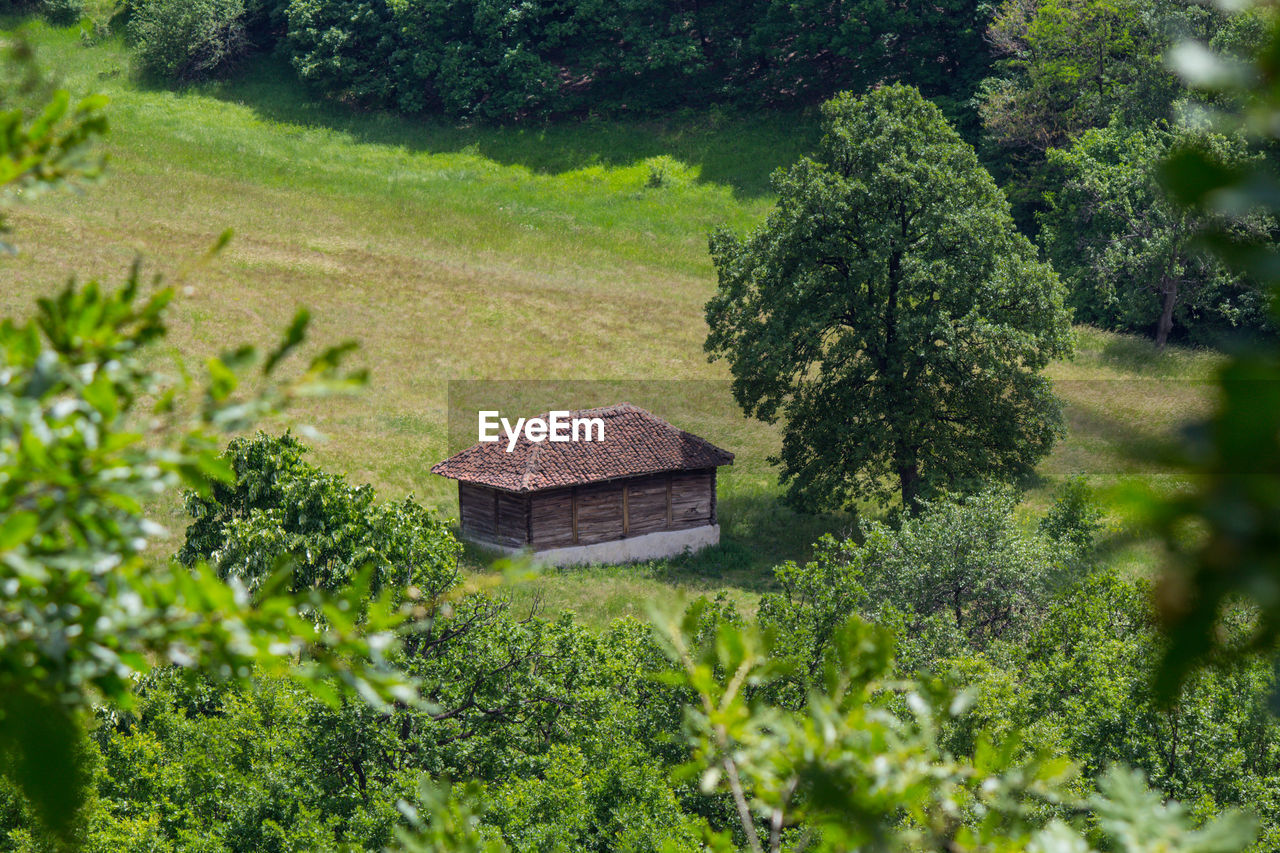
571 252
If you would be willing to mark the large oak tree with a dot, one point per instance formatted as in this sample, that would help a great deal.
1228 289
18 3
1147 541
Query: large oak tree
891 314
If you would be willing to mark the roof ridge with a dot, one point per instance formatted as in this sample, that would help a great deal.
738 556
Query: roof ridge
529 467
614 409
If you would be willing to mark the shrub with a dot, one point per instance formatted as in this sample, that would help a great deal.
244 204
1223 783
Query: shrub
63 11
188 39
55 11
657 173
1074 519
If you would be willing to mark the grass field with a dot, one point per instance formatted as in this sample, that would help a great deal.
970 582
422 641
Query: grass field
490 253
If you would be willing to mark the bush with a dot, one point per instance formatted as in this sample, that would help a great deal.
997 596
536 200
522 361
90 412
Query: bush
188 39
1074 519
63 11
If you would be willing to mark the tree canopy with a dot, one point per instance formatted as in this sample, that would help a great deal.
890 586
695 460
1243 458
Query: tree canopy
278 504
1132 257
500 61
890 313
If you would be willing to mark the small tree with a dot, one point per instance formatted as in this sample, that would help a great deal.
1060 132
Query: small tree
279 504
188 39
961 575
891 313
1131 257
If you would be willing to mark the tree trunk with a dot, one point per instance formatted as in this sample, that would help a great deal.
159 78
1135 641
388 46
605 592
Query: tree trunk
1170 292
909 481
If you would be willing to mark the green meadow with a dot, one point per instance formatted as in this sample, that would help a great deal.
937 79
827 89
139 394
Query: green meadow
568 252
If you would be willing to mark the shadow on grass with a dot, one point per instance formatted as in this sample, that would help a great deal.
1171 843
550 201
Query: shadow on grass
734 150
1107 442
757 533
1138 354
1135 354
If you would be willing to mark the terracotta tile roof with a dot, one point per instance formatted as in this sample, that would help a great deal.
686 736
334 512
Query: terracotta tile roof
635 442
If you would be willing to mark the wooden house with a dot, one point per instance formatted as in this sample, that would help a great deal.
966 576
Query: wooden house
646 490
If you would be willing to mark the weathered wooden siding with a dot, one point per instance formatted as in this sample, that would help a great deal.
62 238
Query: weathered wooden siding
586 515
476 508
646 505
494 516
513 519
691 499
599 512
551 519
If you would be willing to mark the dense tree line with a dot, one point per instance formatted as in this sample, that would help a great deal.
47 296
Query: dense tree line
497 60
1132 258
1082 105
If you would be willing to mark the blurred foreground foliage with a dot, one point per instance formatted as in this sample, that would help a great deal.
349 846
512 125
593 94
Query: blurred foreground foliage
1223 538
90 431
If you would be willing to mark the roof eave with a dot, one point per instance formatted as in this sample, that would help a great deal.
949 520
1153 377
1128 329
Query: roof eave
525 489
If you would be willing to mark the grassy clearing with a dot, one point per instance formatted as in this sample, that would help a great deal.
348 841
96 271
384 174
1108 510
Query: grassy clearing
490 253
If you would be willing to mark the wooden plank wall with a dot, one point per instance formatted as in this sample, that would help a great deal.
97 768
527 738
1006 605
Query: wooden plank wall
493 515
603 512
513 522
599 512
551 519
646 505
476 507
691 499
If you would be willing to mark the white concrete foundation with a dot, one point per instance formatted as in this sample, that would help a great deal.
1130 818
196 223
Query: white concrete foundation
651 546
